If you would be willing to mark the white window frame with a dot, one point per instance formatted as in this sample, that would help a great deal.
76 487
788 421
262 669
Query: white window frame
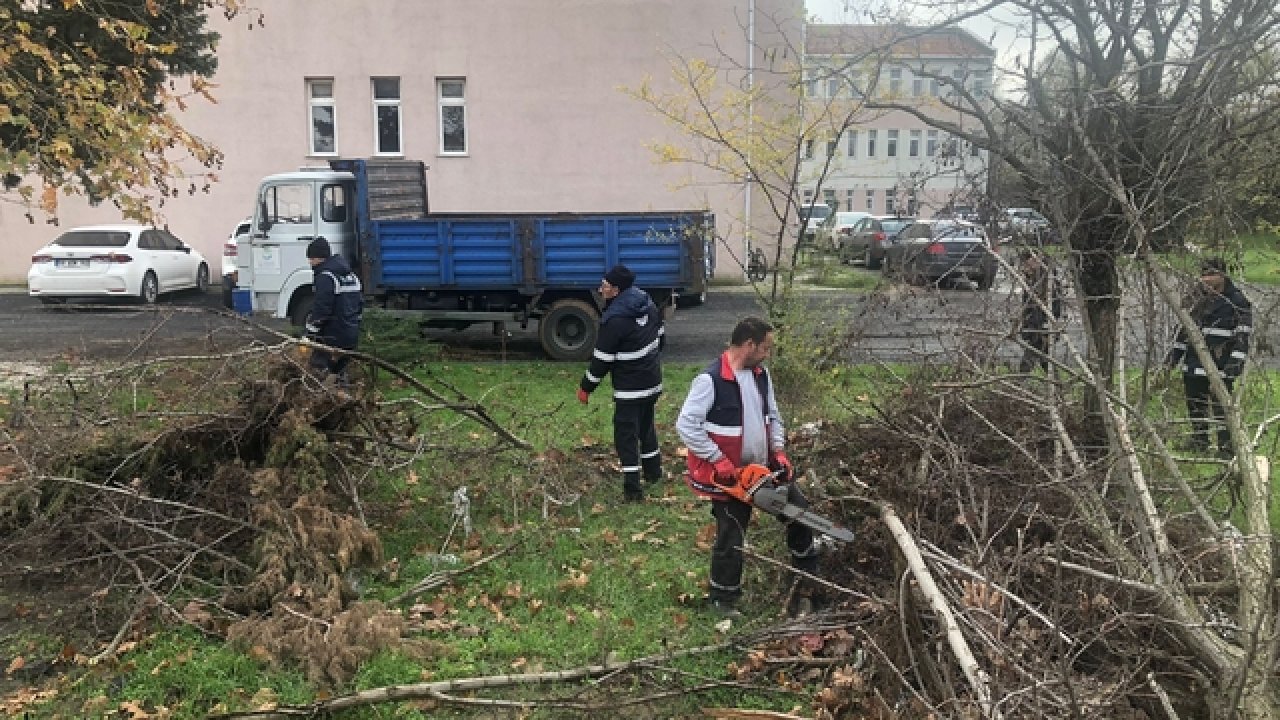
891 144
872 136
913 145
931 143
853 143
441 103
917 86
890 201
378 105
871 199
313 103
895 81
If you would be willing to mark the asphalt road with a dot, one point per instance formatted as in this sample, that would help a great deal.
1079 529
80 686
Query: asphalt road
901 324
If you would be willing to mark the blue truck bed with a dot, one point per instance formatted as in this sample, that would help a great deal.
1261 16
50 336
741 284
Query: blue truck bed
530 252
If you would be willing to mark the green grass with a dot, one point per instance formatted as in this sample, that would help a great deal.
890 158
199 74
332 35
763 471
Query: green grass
1260 259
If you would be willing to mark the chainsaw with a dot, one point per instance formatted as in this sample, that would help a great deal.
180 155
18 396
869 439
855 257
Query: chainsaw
757 485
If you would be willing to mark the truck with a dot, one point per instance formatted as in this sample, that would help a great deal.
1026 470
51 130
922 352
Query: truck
457 269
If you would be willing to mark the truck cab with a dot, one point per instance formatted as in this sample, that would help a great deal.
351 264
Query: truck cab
290 211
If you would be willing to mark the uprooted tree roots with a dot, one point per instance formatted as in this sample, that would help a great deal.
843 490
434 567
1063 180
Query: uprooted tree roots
246 491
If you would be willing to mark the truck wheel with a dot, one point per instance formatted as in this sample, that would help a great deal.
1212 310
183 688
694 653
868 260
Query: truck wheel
568 331
301 309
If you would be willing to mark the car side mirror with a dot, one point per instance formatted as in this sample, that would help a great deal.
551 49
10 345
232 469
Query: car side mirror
264 220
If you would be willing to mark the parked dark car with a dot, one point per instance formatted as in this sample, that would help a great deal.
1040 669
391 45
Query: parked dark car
869 237
937 251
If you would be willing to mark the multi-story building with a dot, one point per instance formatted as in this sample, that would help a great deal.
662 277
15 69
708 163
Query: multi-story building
515 105
863 154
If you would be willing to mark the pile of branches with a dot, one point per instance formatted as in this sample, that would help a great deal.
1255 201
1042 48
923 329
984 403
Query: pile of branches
1001 599
226 494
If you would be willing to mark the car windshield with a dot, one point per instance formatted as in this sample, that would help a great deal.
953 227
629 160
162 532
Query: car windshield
848 218
818 212
93 238
893 226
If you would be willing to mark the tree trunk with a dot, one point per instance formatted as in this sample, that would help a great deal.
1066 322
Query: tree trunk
1099 286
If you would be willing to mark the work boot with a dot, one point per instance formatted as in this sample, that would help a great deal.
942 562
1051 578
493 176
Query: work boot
723 608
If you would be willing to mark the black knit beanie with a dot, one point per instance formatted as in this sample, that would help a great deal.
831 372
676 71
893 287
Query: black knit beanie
319 248
620 276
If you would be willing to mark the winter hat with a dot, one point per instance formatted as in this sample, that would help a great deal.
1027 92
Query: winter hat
319 248
620 276
1213 266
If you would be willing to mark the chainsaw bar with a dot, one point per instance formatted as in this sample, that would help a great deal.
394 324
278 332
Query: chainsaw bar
773 500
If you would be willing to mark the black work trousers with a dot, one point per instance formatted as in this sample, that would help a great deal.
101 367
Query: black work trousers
636 440
732 518
1205 411
324 363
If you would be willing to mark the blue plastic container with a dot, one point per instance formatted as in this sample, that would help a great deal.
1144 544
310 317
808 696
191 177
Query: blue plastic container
242 301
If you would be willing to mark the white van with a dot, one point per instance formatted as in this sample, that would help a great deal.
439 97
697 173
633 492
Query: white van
811 219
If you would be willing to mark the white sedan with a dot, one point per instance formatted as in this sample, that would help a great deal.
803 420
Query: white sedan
128 261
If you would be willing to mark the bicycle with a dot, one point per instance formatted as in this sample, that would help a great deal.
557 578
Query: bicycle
757 265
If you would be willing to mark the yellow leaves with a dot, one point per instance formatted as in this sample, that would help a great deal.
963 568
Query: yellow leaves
49 199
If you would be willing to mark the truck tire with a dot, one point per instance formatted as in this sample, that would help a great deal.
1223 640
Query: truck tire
301 309
568 331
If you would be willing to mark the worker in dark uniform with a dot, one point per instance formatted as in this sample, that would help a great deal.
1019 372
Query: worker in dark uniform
1041 303
336 312
629 346
1225 319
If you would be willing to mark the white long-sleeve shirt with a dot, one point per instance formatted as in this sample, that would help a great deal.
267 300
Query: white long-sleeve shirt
755 446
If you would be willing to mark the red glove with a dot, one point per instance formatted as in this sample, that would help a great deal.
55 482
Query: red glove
726 471
780 461
583 396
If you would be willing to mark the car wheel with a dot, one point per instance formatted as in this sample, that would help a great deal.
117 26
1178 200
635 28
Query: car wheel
150 291
202 279
869 262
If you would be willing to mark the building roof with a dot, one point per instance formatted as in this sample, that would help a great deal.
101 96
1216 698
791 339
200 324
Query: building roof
901 40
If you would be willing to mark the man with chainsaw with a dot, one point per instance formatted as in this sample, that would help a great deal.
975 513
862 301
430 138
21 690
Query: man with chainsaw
629 346
730 420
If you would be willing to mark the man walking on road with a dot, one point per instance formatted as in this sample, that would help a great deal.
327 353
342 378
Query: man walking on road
630 346
730 419
1225 319
336 314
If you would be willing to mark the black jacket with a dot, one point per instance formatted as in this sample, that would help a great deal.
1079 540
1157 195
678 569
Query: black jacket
630 346
335 316
1226 321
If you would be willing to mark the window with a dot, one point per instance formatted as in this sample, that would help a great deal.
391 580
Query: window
829 197
958 76
321 115
848 199
933 87
890 201
853 143
811 85
452 97
288 204
808 198
913 148
386 116
832 145
833 85
871 199
931 145
895 81
891 147
808 149
973 149
917 86
871 142
333 204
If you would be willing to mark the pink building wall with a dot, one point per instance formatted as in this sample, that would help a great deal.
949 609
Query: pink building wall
549 127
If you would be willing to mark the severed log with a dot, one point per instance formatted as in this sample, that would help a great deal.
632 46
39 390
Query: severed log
974 673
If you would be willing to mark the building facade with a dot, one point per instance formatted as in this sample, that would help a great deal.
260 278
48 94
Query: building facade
515 106
868 147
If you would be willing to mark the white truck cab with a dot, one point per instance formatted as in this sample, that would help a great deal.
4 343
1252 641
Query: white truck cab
291 210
